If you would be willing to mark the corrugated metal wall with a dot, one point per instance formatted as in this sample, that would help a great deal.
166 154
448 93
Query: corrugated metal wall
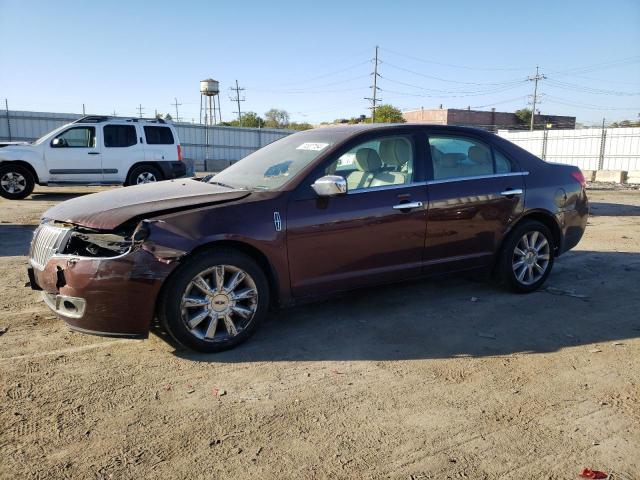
229 143
588 148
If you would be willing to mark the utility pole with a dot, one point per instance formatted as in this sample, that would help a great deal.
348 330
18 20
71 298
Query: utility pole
6 111
140 110
374 96
176 104
237 99
535 80
115 114
83 110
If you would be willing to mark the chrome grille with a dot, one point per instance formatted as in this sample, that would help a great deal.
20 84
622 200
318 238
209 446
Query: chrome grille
46 241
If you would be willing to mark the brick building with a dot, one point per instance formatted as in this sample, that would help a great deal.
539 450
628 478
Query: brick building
489 120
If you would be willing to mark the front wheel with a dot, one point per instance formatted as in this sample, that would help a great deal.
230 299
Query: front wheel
16 182
527 257
215 301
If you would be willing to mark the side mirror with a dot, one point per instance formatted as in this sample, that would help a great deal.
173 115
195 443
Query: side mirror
330 186
58 142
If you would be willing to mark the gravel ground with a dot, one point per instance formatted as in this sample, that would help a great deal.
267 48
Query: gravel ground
410 381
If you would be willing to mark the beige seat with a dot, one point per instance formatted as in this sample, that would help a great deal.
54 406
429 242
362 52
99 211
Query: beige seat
396 154
368 163
481 162
447 165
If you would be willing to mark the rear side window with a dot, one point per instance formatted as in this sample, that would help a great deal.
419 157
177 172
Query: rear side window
158 135
455 157
120 136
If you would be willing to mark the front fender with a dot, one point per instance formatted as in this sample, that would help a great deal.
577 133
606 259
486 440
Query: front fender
32 156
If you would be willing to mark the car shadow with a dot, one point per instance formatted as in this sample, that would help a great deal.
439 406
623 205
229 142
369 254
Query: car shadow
15 239
451 317
603 209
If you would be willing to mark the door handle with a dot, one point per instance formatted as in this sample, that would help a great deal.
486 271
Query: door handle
407 206
511 191
93 153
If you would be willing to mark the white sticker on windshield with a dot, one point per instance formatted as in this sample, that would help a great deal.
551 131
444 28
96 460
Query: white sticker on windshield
316 147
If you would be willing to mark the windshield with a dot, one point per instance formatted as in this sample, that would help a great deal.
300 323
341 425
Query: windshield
272 166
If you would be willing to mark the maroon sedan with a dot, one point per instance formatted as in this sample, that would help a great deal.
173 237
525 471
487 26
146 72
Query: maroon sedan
315 213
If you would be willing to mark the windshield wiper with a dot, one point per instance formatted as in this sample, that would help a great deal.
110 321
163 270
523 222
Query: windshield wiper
222 185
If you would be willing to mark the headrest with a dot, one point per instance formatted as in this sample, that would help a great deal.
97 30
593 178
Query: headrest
368 160
479 154
395 151
449 160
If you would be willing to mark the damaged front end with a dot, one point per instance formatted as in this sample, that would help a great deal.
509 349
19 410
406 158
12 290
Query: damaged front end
102 282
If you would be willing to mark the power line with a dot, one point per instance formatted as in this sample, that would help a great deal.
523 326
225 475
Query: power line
440 79
535 79
453 65
237 99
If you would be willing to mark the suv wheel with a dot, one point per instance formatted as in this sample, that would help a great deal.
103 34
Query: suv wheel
16 182
215 301
144 174
527 257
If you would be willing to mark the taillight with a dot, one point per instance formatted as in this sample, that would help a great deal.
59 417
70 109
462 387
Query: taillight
179 153
577 174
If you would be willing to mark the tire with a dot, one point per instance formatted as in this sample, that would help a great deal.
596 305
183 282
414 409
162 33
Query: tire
139 173
16 182
519 266
237 305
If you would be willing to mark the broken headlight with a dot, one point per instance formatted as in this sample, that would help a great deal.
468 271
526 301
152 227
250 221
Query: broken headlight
90 243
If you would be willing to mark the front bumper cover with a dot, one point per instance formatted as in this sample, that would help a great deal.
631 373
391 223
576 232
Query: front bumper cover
118 294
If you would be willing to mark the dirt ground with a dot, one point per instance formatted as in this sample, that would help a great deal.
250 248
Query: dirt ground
412 381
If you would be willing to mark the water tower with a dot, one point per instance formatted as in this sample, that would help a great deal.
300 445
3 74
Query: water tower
209 90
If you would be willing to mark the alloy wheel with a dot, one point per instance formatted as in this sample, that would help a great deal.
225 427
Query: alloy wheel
219 303
13 182
146 177
531 257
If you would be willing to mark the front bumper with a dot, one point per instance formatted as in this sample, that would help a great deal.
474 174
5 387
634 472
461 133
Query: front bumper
104 296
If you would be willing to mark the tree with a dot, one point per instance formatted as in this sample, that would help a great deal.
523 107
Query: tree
300 126
167 116
276 118
523 116
389 114
252 120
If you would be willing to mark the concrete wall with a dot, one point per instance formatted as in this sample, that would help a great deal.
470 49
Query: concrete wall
436 117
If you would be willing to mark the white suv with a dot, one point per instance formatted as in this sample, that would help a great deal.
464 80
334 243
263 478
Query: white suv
94 150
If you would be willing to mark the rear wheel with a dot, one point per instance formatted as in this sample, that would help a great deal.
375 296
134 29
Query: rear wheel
215 301
16 182
527 257
144 174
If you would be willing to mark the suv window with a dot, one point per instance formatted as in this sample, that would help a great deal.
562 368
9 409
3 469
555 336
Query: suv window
120 135
83 137
158 135
375 163
454 157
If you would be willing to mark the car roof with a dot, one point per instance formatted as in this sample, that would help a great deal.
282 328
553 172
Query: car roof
350 130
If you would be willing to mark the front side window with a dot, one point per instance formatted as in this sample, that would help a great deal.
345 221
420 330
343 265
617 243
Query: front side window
375 163
455 157
76 137
158 135
119 136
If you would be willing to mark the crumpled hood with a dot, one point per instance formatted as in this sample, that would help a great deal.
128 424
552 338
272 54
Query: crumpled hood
109 209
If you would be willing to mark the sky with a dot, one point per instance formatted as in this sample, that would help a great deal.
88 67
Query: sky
314 59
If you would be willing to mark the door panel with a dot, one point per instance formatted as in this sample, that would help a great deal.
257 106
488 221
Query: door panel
121 148
467 220
356 239
74 156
